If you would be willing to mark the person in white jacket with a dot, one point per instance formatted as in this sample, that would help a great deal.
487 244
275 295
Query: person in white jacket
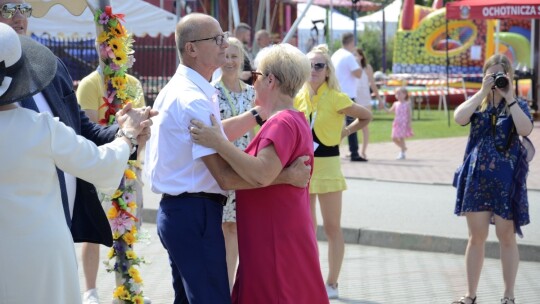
38 258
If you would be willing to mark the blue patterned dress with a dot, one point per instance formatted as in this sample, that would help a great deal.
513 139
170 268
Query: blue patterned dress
492 179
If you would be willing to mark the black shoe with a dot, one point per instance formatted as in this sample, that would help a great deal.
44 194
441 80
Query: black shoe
358 158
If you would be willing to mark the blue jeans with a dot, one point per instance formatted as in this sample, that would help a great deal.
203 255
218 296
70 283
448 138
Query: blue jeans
190 230
353 138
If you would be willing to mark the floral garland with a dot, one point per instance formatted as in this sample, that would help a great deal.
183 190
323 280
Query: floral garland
116 56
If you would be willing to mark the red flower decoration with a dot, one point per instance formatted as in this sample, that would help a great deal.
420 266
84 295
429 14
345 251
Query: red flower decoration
108 11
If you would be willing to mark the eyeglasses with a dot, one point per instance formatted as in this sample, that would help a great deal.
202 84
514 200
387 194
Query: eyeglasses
10 9
219 39
318 66
255 76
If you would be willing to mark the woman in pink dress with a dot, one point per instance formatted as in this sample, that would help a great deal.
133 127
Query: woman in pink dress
401 127
277 246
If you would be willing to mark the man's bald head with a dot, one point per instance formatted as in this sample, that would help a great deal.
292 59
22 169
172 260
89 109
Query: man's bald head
191 27
201 43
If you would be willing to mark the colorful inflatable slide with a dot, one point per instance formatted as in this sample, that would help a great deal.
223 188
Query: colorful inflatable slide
421 40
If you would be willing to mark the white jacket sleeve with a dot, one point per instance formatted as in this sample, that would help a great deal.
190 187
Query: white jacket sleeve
102 166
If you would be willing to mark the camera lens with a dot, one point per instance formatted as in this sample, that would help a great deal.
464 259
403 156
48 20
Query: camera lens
500 80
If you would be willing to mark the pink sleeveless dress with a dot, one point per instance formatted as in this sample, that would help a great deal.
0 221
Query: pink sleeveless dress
401 127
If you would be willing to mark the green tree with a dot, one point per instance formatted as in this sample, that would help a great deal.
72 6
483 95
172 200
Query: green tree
370 40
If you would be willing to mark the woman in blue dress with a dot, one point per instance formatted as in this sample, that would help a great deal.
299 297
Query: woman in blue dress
491 184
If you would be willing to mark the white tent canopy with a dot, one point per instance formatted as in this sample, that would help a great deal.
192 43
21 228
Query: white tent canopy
340 25
142 18
391 17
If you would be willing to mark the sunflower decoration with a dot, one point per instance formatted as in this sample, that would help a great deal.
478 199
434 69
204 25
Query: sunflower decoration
116 57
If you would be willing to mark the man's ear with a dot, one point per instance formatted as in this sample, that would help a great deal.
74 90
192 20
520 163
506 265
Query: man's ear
191 49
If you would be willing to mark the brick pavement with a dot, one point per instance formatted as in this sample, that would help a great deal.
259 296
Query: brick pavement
370 275
373 275
431 161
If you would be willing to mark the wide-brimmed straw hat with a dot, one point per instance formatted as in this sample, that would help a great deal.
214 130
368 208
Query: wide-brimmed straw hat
26 67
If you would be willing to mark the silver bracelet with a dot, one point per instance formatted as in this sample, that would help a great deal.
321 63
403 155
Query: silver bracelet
132 139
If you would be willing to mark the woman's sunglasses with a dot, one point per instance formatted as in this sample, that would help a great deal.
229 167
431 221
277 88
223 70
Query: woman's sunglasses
255 76
318 66
10 9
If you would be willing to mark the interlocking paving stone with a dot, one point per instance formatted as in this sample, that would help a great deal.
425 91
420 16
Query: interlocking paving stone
370 275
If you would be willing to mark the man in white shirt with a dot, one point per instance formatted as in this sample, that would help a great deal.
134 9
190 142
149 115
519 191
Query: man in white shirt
190 211
347 72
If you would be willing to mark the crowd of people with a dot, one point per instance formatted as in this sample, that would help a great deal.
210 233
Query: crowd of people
240 151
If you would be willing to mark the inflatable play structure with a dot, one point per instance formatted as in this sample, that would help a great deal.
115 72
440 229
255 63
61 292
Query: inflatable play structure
426 48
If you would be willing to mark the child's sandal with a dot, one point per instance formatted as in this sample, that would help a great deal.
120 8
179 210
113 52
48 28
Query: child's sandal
465 300
507 300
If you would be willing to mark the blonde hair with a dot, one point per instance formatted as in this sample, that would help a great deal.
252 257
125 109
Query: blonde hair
288 64
233 41
331 80
507 67
404 91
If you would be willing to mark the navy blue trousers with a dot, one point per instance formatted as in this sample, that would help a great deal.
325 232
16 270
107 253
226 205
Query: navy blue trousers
190 230
353 138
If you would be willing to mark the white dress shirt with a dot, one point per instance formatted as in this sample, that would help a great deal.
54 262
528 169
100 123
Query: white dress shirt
173 162
345 63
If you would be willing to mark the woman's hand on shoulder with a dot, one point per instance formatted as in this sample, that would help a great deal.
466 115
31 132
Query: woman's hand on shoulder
208 136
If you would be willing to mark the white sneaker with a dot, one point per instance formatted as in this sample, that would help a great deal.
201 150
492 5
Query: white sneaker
401 155
333 293
91 297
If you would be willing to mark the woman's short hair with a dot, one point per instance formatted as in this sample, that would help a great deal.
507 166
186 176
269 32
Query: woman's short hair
233 41
331 80
288 64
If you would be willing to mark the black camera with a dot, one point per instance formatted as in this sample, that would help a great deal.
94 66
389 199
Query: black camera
501 81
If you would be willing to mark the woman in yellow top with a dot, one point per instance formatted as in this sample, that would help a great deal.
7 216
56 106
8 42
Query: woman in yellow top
325 108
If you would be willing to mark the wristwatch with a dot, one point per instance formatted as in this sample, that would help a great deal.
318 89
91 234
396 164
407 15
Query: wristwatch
258 118
132 139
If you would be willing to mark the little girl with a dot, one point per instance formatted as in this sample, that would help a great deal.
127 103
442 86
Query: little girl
401 127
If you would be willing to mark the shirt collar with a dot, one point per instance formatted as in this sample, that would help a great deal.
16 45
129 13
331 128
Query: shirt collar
197 79
322 88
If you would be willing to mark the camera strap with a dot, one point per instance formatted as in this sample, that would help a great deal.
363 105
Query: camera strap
495 115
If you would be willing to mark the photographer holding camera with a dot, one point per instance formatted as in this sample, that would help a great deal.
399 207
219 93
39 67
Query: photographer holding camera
490 183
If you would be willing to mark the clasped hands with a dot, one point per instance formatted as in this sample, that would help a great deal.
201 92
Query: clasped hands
136 121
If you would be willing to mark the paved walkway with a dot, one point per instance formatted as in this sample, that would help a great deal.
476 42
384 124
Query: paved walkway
432 161
418 214
378 274
370 275
415 212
